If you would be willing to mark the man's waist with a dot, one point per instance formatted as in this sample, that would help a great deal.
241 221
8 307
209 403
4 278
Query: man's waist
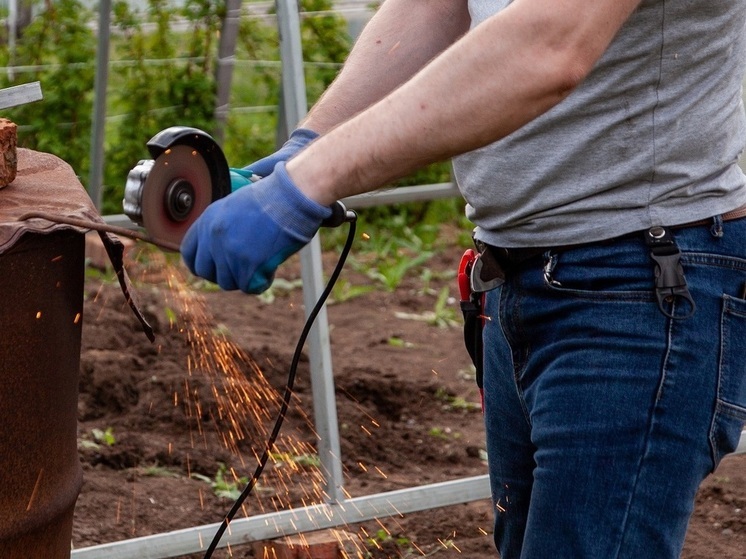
507 256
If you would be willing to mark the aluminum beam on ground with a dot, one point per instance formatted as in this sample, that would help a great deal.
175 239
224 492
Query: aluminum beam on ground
294 521
742 444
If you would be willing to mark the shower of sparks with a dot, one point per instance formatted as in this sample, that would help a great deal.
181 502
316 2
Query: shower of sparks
245 404
224 387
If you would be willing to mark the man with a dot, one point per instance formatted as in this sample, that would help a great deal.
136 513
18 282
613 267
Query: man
597 148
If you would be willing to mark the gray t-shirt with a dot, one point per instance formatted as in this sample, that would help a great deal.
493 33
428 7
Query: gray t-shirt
651 137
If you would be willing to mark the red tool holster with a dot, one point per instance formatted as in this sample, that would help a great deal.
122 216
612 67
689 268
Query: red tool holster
471 307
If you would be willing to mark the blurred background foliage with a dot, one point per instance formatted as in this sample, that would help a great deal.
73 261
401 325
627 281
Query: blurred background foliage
162 72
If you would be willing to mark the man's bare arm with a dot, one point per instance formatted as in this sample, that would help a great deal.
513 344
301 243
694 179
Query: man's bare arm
509 70
401 38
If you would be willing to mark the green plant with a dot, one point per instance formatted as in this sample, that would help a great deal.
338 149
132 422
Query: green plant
402 543
344 291
403 546
155 470
428 276
105 436
107 276
439 432
171 315
300 460
459 403
279 288
390 272
398 342
222 486
443 314
445 433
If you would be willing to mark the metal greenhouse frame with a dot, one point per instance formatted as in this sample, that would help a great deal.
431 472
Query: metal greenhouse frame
339 510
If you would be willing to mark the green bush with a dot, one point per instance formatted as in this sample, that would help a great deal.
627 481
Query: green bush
162 75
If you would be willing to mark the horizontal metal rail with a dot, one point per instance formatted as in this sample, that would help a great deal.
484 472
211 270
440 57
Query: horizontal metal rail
399 195
294 521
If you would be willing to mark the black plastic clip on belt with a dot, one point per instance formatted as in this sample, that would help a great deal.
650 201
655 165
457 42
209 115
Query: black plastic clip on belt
670 282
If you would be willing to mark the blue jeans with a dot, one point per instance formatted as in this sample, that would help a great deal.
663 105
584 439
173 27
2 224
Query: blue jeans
603 416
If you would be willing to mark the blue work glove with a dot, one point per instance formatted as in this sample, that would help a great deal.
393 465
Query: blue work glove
239 241
298 140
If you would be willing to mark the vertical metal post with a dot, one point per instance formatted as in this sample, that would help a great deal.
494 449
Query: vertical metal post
99 104
12 32
226 60
295 106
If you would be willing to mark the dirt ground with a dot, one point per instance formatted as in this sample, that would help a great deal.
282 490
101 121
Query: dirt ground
165 428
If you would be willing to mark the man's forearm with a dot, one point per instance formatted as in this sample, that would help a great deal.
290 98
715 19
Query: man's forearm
400 39
506 72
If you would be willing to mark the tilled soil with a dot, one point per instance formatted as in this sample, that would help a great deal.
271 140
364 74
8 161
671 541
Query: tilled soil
165 428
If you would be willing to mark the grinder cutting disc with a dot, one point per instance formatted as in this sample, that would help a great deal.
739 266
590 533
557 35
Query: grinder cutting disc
176 191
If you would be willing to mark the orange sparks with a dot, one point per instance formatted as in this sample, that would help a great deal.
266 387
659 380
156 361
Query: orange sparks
34 490
224 394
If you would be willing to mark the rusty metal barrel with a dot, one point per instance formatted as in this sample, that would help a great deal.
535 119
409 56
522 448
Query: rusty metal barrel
41 305
41 315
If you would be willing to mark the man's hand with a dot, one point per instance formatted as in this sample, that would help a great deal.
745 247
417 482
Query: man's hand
240 240
298 140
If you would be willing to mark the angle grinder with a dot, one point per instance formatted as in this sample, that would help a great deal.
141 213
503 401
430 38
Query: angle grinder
188 172
166 194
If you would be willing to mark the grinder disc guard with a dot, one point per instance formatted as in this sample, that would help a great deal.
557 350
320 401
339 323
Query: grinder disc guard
176 191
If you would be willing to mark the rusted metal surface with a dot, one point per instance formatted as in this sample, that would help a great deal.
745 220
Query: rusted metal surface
41 314
43 183
46 196
41 308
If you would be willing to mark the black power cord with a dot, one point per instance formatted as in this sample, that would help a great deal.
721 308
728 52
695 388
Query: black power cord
346 216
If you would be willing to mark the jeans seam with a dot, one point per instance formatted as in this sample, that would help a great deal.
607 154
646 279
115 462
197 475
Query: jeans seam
502 314
648 434
713 421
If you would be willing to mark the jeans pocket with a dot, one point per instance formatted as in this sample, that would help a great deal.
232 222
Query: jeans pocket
730 406
606 273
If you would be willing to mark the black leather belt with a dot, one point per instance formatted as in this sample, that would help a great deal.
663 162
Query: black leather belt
508 257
